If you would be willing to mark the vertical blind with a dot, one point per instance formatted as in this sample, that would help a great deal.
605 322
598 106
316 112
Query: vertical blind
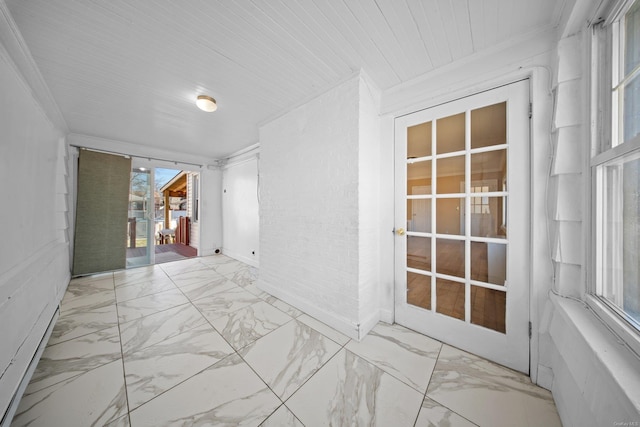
101 212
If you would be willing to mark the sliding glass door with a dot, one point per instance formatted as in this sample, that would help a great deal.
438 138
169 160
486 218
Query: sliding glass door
141 219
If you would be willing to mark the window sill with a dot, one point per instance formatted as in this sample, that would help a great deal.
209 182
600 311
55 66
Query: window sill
593 350
618 326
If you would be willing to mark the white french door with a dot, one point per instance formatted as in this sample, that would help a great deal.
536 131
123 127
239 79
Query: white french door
463 167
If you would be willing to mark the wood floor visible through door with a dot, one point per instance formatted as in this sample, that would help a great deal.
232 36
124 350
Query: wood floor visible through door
487 305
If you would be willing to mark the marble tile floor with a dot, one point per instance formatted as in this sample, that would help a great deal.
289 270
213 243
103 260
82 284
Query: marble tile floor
195 342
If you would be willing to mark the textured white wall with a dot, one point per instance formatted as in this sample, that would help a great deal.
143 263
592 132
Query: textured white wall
369 227
240 209
319 212
34 257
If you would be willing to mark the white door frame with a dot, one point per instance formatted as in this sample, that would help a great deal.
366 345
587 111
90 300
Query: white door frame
481 341
138 163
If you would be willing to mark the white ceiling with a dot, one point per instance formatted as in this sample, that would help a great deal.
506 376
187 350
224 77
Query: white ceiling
131 70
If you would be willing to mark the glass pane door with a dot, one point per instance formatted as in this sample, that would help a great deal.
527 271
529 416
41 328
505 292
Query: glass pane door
462 172
140 230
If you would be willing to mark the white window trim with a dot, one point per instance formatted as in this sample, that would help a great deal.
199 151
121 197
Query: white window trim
614 323
627 335
195 195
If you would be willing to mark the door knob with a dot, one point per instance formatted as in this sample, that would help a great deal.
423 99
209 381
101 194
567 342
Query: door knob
400 231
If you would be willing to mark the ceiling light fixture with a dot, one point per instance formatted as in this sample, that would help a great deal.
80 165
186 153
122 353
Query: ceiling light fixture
206 103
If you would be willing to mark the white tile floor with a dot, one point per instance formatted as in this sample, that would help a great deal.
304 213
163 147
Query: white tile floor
195 342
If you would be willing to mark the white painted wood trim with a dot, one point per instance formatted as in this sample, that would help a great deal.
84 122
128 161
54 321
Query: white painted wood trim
250 150
143 151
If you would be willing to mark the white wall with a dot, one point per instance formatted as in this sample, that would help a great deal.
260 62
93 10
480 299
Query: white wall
210 210
369 217
240 208
319 214
34 257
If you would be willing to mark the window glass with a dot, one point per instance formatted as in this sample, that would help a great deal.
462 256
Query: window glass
619 222
617 175
632 39
628 86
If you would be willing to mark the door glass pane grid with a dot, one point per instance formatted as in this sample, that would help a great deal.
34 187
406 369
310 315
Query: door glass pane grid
489 148
478 331
488 308
419 288
488 262
489 166
419 250
451 298
488 286
451 154
419 143
488 125
450 134
140 233
488 215
467 217
418 175
454 288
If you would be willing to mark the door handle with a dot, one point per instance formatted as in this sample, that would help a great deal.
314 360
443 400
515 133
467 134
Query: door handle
400 231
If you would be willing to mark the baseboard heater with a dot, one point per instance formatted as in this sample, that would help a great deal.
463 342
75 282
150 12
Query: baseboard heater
15 400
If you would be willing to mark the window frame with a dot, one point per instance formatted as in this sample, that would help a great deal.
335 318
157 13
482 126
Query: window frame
606 51
195 194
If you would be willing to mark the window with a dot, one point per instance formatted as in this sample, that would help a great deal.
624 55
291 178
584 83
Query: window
615 165
480 204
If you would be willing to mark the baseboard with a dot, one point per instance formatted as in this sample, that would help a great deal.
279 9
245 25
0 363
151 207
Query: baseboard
367 324
208 252
63 288
386 316
340 324
545 377
251 261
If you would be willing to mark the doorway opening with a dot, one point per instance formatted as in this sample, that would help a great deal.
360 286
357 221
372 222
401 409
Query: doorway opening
163 206
461 268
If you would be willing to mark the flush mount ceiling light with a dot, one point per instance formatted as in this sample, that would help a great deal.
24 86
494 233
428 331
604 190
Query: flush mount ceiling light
206 103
